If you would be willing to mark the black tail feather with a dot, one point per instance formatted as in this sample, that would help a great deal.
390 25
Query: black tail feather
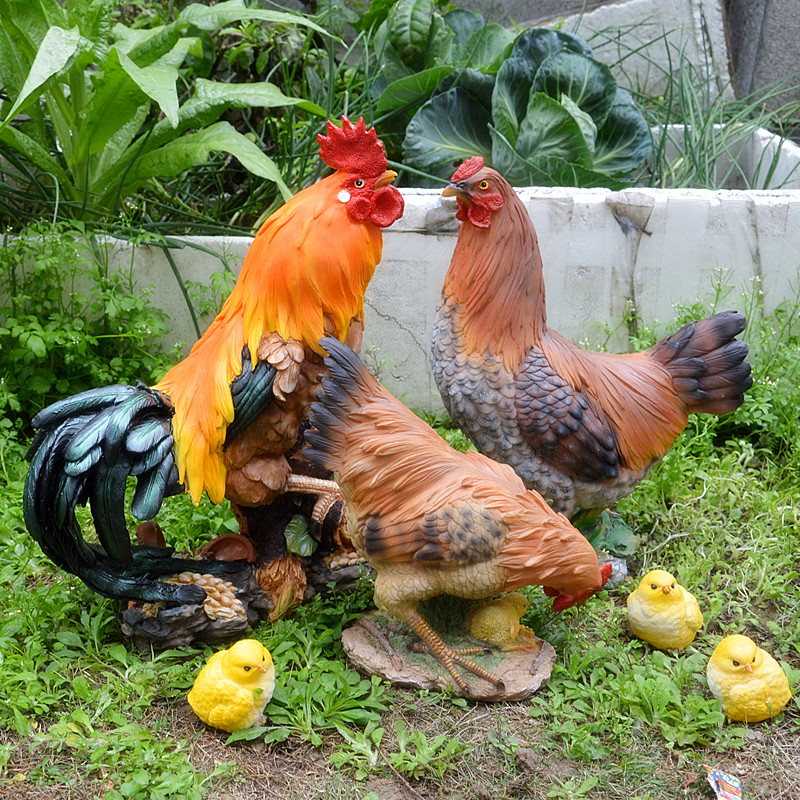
84 450
707 363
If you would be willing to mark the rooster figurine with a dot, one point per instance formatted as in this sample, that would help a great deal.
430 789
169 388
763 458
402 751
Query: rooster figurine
226 419
583 428
432 520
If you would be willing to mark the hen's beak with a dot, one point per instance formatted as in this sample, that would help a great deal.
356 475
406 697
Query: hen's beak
458 190
385 179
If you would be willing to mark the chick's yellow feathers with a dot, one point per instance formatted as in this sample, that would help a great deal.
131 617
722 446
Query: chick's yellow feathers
663 613
747 679
497 621
232 689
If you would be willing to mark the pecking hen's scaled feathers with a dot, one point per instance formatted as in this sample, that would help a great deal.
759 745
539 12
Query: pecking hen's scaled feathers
432 520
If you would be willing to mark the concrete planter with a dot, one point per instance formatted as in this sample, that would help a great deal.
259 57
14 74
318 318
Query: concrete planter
604 252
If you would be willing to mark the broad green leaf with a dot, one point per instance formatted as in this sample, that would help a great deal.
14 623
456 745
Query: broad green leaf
624 141
37 155
411 90
536 44
116 98
587 82
59 47
194 148
448 129
298 538
177 55
210 18
157 82
584 120
512 91
544 170
477 85
410 28
211 99
463 23
550 130
118 142
93 18
145 46
486 49
23 25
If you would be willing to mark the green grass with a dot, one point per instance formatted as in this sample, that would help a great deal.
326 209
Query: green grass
85 716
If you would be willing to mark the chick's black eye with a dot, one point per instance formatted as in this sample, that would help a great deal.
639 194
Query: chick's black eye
358 183
653 586
672 586
247 669
735 663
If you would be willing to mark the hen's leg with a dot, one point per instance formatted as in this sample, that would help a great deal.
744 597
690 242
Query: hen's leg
328 491
447 656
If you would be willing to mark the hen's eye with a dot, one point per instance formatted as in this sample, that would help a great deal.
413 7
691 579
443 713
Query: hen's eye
358 183
483 185
735 663
653 586
247 669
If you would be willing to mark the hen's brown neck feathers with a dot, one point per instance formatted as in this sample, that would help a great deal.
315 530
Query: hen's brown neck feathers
495 277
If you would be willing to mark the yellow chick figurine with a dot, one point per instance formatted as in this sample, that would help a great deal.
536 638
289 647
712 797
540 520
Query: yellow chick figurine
232 689
497 622
662 612
747 679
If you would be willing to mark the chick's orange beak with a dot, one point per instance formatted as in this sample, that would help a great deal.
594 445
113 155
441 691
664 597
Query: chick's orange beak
261 668
748 667
385 179
665 589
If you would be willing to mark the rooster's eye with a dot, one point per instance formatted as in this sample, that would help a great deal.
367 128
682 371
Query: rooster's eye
483 185
358 183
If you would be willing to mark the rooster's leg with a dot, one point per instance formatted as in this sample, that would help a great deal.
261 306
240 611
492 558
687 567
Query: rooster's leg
328 491
447 656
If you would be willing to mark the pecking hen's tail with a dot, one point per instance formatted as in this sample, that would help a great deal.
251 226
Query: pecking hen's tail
343 391
85 448
707 363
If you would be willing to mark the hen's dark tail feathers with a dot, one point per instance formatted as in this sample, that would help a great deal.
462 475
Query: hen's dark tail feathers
344 389
85 449
707 363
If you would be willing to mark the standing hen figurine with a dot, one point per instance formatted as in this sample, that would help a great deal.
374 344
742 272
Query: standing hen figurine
233 688
662 613
583 428
748 680
226 420
432 520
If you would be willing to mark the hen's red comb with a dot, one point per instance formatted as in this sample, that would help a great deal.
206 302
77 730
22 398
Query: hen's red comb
467 169
353 148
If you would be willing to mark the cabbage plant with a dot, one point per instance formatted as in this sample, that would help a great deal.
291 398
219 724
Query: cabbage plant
537 106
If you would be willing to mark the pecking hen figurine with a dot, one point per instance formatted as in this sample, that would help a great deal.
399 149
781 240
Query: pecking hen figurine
432 520
226 419
748 680
233 688
662 613
583 428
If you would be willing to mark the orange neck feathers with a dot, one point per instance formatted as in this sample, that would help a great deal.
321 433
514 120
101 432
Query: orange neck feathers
495 277
308 266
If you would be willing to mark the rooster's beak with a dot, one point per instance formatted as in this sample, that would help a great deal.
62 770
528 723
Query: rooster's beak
385 179
458 190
